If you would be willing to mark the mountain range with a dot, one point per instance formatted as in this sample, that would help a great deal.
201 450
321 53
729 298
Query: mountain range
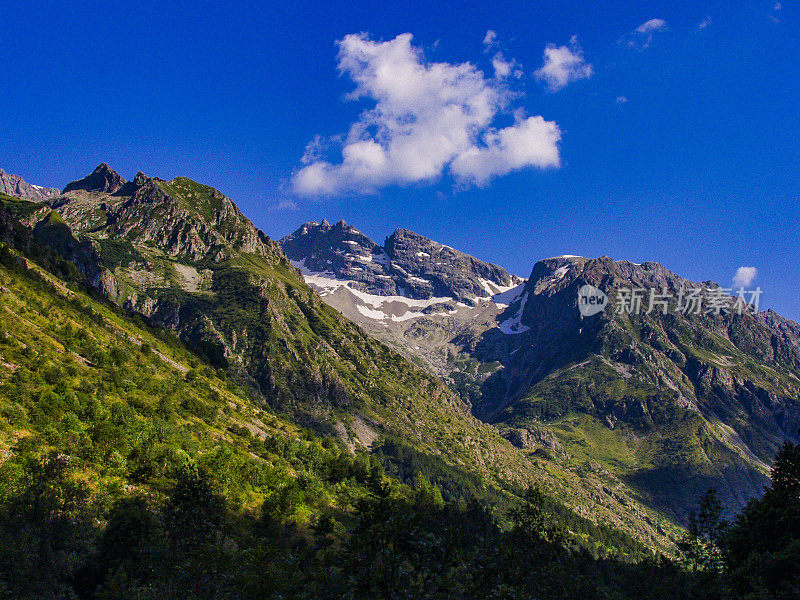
670 403
625 418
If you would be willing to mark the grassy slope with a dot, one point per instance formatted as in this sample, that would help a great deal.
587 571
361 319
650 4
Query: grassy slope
130 406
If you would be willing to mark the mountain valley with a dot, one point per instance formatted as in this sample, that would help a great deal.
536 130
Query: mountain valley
441 367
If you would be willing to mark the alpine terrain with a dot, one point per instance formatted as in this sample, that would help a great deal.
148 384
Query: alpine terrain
672 404
188 407
182 257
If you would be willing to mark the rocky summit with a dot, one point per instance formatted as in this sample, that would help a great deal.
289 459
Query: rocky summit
407 265
102 179
14 185
675 402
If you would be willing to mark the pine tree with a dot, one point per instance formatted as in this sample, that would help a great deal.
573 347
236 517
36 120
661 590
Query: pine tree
700 544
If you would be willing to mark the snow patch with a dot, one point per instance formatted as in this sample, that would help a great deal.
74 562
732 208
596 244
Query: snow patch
406 316
370 313
493 289
505 298
326 283
514 325
560 272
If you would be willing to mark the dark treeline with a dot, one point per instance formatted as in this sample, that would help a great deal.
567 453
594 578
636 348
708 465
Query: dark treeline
757 556
394 545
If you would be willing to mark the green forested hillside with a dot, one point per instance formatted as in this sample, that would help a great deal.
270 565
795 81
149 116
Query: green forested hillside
132 468
182 257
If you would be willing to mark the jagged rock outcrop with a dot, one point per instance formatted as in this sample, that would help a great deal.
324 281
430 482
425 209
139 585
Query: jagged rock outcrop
102 179
531 438
14 185
407 265
180 216
448 272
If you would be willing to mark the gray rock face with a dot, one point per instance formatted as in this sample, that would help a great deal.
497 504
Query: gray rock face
450 272
102 179
183 218
407 265
14 185
532 437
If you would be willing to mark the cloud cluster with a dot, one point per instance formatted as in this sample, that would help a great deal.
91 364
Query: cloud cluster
428 118
642 36
744 276
651 25
563 65
503 68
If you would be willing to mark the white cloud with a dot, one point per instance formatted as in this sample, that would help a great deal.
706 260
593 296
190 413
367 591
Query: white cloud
642 36
777 6
428 118
531 141
503 68
621 100
563 65
744 276
283 205
651 25
704 23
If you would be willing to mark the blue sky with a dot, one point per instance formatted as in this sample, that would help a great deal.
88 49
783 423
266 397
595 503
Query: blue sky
697 168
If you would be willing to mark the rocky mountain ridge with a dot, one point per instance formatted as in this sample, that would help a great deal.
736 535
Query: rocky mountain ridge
408 264
14 185
424 299
671 401
700 399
